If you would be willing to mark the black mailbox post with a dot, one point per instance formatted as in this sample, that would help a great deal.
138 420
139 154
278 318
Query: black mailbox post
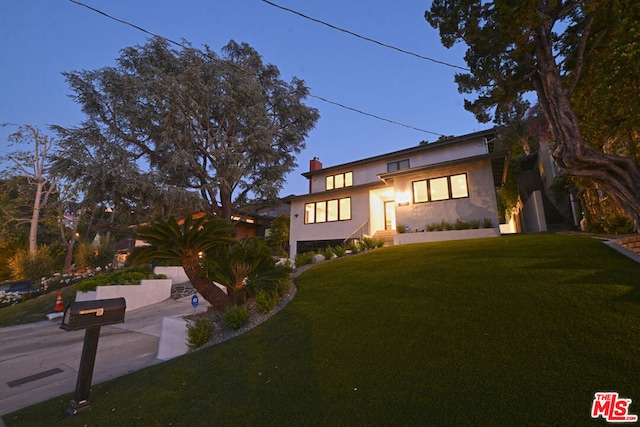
89 315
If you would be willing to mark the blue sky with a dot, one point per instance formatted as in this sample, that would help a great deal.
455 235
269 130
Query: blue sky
40 39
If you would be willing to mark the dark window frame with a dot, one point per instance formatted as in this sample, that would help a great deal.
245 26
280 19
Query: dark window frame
449 188
332 178
396 166
338 216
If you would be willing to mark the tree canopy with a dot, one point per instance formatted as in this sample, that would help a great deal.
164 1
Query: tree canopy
545 46
183 122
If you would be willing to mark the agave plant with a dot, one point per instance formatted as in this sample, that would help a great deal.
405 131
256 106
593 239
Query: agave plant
187 243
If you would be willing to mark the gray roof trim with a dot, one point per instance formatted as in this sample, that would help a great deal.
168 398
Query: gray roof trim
489 133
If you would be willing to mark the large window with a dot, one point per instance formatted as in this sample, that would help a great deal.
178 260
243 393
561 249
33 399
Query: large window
442 188
396 166
339 180
328 211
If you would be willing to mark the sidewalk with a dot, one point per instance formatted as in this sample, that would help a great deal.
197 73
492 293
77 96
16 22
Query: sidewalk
40 361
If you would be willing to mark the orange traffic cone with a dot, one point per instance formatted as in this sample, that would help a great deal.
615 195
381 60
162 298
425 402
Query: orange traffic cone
59 303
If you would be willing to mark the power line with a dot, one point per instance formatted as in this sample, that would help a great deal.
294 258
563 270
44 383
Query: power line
365 38
182 45
372 115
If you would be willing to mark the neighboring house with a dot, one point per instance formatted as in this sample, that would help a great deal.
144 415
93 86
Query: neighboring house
451 179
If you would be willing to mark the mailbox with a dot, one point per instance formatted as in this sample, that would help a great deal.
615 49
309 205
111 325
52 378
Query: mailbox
92 314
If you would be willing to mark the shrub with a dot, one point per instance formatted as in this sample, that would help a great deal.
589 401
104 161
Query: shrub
447 225
354 246
367 243
303 258
283 285
198 332
475 224
327 252
23 267
487 223
461 225
379 242
400 228
236 317
122 277
266 300
340 251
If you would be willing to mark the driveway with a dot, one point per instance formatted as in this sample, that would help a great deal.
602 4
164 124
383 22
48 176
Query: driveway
39 361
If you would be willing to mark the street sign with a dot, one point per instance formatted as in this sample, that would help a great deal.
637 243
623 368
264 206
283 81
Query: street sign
194 301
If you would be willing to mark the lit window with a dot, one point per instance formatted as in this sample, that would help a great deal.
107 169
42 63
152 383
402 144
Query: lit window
309 213
330 182
420 192
321 211
442 188
345 209
332 210
348 179
340 180
459 186
439 189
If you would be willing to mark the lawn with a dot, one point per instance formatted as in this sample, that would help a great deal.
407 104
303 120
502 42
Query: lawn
517 330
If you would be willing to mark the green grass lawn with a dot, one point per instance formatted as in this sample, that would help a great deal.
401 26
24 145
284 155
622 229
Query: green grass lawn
518 330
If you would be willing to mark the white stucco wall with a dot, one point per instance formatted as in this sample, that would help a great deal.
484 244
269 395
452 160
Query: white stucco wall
480 204
299 231
363 174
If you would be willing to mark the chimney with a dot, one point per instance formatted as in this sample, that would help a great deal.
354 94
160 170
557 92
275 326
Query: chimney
314 165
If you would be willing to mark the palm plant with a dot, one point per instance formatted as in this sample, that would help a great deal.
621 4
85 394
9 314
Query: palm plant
187 243
243 266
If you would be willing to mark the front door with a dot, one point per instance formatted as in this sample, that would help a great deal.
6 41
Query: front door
389 215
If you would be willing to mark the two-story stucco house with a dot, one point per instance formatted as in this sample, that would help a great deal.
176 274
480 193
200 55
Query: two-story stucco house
451 179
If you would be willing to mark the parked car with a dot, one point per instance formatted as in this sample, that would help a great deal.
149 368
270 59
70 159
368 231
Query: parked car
20 287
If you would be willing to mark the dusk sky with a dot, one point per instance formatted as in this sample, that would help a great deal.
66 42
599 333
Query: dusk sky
43 38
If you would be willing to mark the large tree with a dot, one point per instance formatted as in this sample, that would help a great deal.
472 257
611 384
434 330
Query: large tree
226 127
519 46
31 160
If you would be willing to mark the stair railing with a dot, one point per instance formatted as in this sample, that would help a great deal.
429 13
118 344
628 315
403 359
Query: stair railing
357 230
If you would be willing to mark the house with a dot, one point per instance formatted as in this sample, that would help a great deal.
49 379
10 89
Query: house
447 180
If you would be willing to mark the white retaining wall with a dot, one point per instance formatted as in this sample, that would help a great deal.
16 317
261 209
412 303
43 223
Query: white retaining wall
146 293
440 236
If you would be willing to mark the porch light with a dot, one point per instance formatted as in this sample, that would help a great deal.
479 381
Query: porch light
403 198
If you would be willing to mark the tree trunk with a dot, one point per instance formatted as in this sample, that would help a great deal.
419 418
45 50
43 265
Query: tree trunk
225 202
33 223
618 176
209 291
70 243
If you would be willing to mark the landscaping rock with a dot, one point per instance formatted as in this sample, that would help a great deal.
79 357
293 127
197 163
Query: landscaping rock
317 259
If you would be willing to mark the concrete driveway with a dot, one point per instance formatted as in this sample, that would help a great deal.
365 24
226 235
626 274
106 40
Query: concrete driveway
40 361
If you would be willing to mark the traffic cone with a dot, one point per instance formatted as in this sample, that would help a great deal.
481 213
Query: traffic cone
59 303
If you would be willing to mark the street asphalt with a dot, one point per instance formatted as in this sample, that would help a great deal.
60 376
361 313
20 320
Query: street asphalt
40 361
